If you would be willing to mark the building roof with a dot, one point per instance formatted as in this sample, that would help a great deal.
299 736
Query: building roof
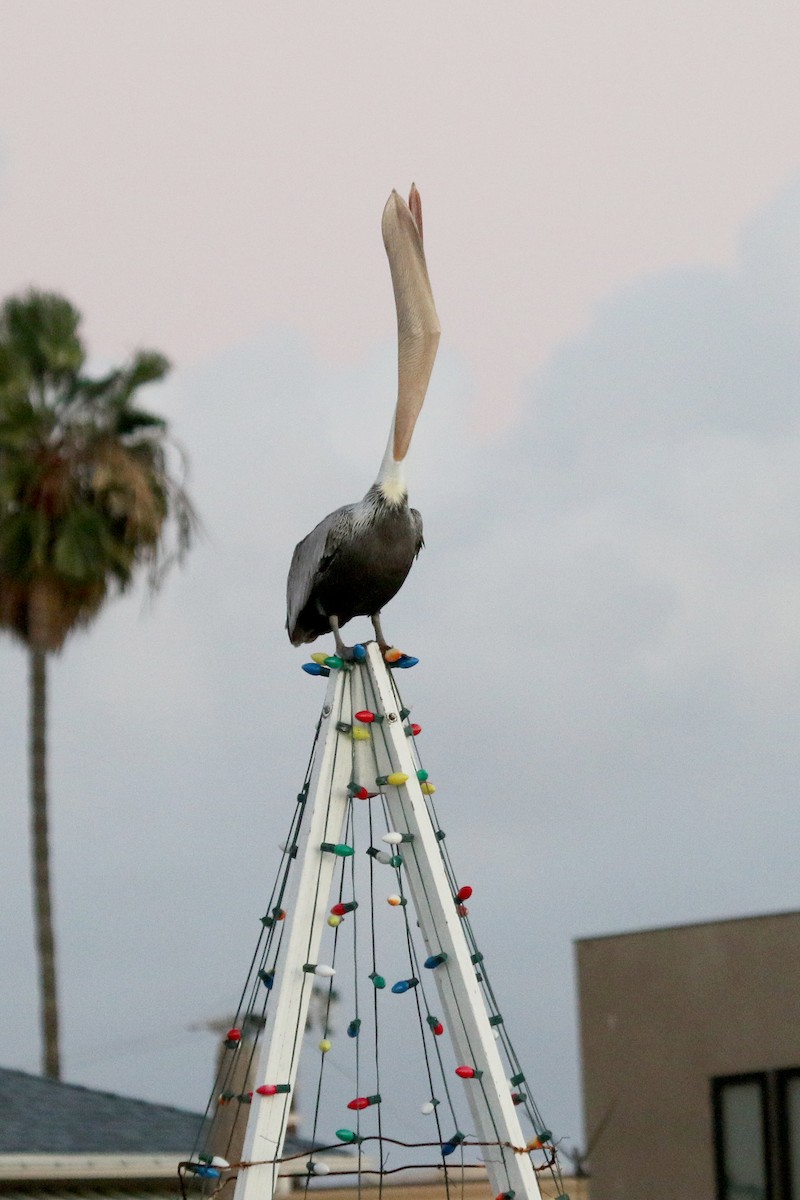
45 1116
687 925
73 1140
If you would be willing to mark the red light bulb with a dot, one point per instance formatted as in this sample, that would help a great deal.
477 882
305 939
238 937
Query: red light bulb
364 1102
465 1072
233 1035
361 793
365 716
464 893
267 1089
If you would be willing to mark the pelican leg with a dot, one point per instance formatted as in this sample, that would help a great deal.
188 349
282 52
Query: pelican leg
381 640
344 652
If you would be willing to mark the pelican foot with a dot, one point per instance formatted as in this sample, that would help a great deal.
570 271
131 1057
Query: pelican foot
347 654
351 654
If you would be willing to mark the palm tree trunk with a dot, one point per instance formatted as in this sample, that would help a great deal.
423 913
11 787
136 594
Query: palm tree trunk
41 865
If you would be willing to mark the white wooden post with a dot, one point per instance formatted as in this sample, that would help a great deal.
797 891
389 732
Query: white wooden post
465 1016
465 1019
322 821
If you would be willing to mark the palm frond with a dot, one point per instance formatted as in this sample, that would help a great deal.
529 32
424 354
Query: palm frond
147 366
42 329
23 543
21 426
80 548
135 420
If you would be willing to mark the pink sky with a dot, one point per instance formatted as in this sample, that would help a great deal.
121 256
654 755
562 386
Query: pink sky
191 172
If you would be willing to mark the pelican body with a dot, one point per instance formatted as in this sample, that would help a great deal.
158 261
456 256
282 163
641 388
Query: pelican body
358 557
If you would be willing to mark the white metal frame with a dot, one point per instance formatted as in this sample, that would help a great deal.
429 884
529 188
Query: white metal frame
465 1016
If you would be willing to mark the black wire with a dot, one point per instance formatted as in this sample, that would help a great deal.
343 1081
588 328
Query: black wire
227 1063
269 934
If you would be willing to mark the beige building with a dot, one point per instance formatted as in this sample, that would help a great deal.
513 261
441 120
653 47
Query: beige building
690 1042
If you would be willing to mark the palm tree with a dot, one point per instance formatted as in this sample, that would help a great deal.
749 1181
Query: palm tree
86 497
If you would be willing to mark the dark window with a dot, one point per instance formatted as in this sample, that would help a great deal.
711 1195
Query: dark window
788 1108
757 1135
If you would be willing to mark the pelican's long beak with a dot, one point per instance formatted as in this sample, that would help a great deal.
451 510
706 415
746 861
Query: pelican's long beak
417 322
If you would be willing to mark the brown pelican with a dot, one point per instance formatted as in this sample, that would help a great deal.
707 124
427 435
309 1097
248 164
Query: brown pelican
358 557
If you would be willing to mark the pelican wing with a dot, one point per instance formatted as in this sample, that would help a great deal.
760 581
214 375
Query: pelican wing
311 559
416 517
417 323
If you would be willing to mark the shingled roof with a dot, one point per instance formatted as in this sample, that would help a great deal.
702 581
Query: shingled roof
59 1141
45 1116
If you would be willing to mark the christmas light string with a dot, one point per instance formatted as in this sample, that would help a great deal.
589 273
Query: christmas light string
245 1009
410 850
527 1102
358 702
